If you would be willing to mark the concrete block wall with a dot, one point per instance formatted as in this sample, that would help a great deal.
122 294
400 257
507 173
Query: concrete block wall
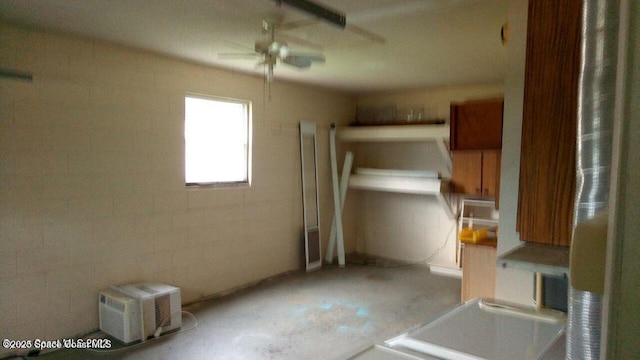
92 186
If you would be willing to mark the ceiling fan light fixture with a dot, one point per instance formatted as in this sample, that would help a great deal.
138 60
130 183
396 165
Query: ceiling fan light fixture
284 52
273 52
274 47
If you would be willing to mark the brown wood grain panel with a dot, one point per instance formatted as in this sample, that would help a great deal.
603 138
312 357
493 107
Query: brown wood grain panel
478 272
491 173
547 163
467 172
476 125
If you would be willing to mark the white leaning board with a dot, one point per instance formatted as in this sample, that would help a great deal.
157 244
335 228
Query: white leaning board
472 331
378 352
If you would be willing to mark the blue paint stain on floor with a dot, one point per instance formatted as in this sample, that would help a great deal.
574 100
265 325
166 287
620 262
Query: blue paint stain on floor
344 329
342 315
368 326
300 310
326 306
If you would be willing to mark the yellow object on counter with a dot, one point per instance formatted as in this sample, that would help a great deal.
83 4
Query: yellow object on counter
469 235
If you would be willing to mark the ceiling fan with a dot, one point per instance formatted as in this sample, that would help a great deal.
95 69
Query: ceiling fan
272 51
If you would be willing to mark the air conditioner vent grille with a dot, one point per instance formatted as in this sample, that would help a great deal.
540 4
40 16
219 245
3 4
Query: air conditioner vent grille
163 311
112 303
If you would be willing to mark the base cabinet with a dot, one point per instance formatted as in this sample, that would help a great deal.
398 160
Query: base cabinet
478 271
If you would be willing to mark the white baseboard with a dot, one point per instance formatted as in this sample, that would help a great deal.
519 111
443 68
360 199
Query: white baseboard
446 271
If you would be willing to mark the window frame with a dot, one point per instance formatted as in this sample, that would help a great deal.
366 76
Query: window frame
247 118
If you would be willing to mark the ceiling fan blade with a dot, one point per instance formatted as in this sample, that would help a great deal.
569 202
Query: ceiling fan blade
303 61
366 34
235 45
296 40
299 62
330 15
318 58
298 24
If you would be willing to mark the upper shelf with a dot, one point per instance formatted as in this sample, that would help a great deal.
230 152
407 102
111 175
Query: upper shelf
407 185
391 133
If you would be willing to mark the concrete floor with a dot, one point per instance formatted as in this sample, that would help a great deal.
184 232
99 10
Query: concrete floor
326 314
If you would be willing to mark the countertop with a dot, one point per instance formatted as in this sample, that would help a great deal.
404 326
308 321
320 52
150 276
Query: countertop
545 259
488 241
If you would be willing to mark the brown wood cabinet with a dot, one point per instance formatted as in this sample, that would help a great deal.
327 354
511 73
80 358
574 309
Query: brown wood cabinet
549 125
476 125
478 271
476 172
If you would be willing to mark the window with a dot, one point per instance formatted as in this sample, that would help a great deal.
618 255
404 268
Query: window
217 136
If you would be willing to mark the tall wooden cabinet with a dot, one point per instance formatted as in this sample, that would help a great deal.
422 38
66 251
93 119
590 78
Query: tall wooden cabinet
476 143
549 125
476 140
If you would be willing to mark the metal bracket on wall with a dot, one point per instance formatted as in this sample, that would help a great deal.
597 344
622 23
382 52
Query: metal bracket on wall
446 154
15 74
330 15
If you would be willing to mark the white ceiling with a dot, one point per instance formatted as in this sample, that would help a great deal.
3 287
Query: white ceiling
427 42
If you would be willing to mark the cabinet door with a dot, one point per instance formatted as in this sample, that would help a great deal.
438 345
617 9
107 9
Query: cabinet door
477 173
467 172
476 125
491 173
478 272
549 123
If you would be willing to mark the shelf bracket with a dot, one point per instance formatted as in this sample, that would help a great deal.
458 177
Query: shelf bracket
446 206
446 154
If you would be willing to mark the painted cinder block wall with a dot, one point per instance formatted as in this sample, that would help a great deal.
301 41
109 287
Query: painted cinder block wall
92 186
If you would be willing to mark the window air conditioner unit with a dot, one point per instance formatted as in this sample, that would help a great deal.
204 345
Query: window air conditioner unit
138 311
119 316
